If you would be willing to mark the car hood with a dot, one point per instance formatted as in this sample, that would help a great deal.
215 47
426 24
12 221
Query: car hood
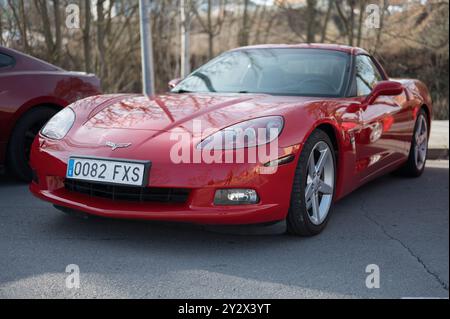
140 120
167 112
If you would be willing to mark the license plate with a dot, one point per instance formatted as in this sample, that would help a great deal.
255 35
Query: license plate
109 171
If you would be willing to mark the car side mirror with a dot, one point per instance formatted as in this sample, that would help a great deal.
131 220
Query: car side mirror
173 83
387 88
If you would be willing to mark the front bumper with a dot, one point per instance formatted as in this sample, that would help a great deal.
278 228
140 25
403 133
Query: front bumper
203 180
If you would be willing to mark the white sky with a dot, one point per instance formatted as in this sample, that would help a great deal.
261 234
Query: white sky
268 2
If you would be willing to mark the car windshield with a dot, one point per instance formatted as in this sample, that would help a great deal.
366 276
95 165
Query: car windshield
303 72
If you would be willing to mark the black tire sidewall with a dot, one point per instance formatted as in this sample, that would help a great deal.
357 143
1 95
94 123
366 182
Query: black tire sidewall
16 157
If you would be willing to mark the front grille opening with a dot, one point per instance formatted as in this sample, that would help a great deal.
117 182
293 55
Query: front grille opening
128 193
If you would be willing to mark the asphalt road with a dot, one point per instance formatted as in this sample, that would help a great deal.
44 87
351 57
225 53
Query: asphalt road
401 225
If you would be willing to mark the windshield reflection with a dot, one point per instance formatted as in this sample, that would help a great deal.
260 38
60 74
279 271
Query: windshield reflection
304 72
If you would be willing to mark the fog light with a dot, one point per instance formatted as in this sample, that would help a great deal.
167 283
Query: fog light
235 197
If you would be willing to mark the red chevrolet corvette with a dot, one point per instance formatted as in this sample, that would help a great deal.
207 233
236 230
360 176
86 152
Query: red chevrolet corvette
257 135
31 92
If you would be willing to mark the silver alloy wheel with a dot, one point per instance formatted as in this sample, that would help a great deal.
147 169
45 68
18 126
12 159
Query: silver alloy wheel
319 187
421 142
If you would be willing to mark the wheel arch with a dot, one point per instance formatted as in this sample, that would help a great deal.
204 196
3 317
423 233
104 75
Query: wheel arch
332 131
20 114
39 102
53 102
427 111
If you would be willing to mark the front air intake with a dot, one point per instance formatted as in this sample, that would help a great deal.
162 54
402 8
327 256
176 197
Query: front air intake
128 193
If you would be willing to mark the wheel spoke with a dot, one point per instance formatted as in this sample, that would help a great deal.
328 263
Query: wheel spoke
419 127
423 138
322 160
315 207
422 153
311 166
309 191
416 153
420 138
308 203
325 188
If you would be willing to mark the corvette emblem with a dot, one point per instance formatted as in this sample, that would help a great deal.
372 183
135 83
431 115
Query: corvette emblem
115 146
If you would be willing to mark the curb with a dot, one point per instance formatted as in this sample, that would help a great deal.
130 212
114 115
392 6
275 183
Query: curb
438 154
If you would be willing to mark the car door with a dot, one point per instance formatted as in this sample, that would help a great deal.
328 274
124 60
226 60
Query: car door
6 64
380 141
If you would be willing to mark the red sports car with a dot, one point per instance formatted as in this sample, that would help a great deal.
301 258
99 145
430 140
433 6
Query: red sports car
31 92
257 135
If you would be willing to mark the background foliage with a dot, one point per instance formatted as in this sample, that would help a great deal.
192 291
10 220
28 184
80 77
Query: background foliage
412 40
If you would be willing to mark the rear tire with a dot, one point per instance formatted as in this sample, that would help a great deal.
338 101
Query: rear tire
22 138
313 187
417 157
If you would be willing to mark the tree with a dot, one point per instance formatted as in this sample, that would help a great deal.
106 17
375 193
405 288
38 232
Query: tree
213 25
311 20
185 24
87 36
352 19
21 21
323 34
2 22
244 34
53 43
101 36
301 20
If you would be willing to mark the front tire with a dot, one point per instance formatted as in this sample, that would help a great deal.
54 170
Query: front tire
313 187
22 138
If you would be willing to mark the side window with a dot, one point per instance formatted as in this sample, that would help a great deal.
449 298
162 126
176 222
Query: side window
5 60
367 75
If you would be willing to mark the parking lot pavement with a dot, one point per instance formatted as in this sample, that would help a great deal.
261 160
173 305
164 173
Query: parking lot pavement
401 225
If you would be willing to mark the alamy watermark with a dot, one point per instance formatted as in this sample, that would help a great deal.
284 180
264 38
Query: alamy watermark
373 279
73 279
373 19
73 16
234 145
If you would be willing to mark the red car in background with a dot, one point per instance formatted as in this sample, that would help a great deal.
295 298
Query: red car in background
31 92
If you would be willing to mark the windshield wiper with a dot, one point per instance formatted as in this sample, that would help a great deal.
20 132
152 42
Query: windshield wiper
188 91
182 91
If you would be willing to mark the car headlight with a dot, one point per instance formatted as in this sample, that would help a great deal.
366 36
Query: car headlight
60 124
250 133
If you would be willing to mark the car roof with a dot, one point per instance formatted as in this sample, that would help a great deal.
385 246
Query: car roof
26 62
322 46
